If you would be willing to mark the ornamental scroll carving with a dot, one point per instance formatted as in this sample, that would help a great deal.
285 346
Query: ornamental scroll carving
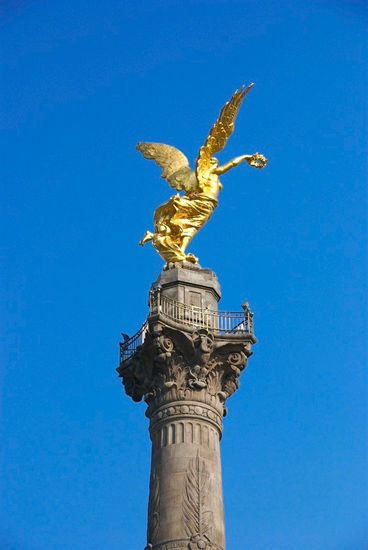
183 363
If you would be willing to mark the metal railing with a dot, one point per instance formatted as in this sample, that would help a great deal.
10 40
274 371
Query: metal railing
129 346
221 321
224 322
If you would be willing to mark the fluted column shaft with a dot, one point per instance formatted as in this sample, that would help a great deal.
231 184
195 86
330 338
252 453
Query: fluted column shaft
186 505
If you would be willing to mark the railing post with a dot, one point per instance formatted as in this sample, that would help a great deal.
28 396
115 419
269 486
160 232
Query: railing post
251 323
245 306
248 317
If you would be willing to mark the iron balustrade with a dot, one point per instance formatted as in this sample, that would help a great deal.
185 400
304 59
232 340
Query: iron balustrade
220 321
223 322
129 346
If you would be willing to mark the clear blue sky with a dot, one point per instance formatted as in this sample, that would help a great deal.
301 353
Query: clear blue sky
81 83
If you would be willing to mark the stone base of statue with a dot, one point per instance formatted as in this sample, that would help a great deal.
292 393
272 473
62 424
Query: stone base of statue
185 362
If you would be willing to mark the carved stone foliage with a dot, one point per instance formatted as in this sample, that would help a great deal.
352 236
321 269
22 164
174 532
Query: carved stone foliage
200 541
173 360
153 509
198 519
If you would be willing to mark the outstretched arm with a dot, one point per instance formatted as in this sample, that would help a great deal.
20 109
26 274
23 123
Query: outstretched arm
257 160
231 164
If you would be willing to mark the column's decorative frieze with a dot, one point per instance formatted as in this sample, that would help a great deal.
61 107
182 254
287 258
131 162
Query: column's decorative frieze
185 409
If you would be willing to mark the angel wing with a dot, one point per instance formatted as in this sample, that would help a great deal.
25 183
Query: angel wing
175 165
219 133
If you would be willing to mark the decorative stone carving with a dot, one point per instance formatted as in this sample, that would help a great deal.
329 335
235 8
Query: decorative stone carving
183 361
187 409
181 544
153 509
200 541
198 519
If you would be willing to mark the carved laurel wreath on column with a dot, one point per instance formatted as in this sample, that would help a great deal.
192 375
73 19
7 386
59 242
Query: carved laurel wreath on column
197 518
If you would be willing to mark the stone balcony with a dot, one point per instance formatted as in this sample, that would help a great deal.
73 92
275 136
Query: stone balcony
187 317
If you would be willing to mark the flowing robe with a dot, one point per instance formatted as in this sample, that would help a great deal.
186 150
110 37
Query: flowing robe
180 217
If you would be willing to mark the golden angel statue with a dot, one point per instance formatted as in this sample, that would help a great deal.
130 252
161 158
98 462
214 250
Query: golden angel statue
177 220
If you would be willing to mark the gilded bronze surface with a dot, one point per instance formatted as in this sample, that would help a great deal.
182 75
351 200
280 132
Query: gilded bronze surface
177 220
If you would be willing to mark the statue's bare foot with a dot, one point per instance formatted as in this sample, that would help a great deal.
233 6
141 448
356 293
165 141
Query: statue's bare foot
148 236
191 258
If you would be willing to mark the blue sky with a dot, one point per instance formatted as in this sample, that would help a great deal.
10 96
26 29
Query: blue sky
81 83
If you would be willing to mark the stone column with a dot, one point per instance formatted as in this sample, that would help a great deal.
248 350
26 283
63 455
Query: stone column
185 503
185 368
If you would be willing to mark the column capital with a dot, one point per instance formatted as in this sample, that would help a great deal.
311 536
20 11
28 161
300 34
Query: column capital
188 364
